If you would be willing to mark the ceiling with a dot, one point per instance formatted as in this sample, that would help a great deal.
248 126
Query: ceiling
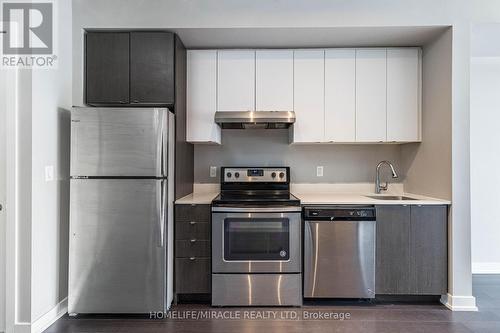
199 38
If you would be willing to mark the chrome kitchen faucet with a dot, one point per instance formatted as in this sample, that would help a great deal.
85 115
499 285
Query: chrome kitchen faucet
378 187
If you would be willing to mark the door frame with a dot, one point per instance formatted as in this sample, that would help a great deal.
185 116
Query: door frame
10 206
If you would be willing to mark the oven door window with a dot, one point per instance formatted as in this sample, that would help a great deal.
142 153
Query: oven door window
256 239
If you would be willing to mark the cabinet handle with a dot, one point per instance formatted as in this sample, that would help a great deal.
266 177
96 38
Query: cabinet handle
192 258
192 222
135 101
1 207
193 240
123 102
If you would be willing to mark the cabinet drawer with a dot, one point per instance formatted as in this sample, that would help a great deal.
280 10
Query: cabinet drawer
192 248
192 276
192 230
188 213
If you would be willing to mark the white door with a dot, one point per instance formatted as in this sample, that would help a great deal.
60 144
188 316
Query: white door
3 194
309 94
236 80
371 95
403 94
340 95
202 96
274 80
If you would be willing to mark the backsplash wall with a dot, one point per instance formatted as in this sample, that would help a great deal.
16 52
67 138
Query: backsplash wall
341 163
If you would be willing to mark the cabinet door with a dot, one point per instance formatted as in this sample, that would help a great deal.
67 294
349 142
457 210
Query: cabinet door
152 68
107 68
274 80
340 95
309 96
393 250
236 80
202 96
371 95
428 250
193 275
403 94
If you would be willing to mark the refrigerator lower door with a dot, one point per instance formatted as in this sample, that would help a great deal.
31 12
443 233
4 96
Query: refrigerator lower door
109 142
117 246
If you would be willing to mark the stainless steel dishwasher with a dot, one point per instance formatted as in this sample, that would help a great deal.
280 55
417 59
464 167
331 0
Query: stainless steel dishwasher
339 252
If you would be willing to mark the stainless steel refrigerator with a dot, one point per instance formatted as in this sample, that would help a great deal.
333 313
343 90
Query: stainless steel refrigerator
121 212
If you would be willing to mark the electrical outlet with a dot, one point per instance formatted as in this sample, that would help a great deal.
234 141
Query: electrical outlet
319 171
49 173
213 171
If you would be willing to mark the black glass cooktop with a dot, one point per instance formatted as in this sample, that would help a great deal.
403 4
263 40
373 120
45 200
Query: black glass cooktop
256 197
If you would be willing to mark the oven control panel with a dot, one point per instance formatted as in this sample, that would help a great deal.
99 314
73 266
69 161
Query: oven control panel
249 175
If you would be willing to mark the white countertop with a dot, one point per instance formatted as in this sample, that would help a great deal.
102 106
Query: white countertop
319 198
202 194
324 194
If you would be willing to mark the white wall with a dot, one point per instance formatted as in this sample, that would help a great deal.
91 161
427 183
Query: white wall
485 159
428 165
37 226
3 192
50 200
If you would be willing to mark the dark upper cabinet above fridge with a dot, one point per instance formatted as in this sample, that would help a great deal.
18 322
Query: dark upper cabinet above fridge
129 68
107 61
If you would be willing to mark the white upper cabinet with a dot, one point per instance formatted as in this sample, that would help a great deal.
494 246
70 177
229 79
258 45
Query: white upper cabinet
236 80
309 94
340 95
371 119
202 96
274 80
361 95
403 94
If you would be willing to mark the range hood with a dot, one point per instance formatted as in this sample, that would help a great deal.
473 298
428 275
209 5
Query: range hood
254 119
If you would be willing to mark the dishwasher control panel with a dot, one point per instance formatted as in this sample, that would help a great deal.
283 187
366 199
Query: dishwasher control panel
312 213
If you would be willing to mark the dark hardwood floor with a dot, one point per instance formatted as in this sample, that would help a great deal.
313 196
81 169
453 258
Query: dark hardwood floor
383 317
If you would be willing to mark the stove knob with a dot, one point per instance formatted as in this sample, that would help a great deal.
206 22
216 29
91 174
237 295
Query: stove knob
273 175
237 174
282 174
228 175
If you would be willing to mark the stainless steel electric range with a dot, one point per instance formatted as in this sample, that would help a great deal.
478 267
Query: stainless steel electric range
256 239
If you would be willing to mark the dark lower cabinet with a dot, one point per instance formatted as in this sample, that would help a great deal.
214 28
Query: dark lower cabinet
191 275
411 250
107 68
193 270
392 250
429 250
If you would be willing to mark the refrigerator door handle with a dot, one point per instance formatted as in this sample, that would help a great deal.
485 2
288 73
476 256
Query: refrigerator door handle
164 143
161 213
159 142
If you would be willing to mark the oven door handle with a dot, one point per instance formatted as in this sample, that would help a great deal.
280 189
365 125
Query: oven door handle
297 209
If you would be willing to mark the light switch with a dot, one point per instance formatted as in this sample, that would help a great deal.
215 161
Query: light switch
213 171
49 173
319 171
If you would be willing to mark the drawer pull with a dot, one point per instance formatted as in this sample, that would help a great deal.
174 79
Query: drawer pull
193 240
192 222
192 258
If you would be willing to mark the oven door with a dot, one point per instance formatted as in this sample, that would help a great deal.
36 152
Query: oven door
256 242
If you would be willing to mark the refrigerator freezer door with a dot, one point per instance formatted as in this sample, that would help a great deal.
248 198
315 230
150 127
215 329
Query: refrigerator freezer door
117 246
119 142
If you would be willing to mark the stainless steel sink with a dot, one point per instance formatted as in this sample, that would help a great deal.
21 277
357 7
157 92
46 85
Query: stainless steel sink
389 197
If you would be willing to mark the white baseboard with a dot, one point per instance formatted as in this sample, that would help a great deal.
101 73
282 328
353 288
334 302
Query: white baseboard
486 268
42 323
459 303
